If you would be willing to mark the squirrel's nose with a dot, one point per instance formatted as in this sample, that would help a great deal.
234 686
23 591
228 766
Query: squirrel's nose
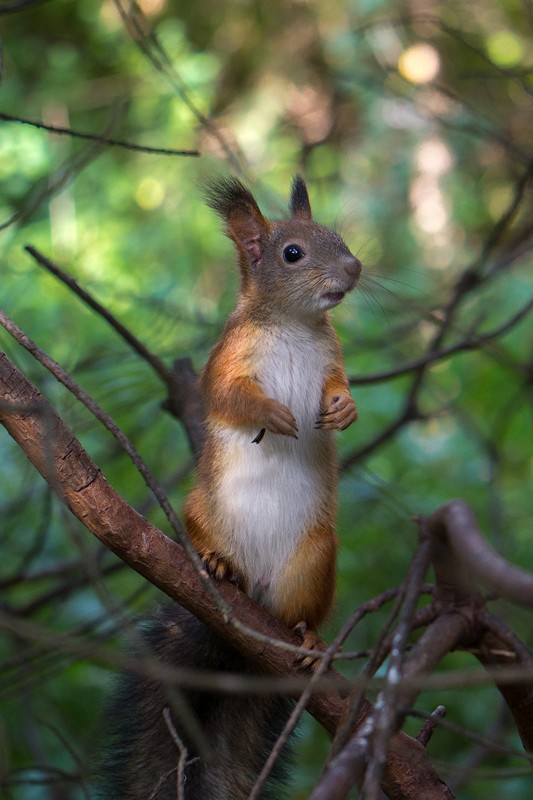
352 267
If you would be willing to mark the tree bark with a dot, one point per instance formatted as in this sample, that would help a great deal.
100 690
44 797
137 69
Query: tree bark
61 460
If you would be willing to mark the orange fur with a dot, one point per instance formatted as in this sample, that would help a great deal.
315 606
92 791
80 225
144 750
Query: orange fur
308 580
207 539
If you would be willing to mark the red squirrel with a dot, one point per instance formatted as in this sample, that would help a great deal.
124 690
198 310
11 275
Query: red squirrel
263 509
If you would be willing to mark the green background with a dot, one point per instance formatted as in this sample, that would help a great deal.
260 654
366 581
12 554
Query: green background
421 173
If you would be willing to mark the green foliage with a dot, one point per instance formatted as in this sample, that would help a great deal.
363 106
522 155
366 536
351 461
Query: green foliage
417 174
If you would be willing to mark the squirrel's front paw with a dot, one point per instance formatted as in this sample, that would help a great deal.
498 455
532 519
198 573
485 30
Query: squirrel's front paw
277 418
219 567
340 413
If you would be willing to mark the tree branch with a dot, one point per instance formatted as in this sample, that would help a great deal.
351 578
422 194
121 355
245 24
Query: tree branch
184 400
454 526
460 555
59 457
94 137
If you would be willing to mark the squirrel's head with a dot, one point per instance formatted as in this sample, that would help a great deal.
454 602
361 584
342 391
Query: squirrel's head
299 264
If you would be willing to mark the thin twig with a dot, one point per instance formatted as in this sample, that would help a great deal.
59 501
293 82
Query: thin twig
155 53
319 671
386 709
184 400
19 5
182 750
53 184
63 377
50 186
94 137
470 343
158 365
428 728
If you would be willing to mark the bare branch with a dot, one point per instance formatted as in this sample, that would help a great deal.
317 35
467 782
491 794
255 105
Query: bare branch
53 184
94 137
59 179
62 376
388 706
90 301
471 342
500 648
318 673
149 45
101 509
184 400
460 556
456 525
428 728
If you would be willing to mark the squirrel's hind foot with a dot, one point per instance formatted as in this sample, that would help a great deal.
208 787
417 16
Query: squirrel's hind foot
219 567
310 641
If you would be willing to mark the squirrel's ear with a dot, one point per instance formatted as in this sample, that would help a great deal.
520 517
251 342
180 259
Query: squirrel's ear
236 205
299 203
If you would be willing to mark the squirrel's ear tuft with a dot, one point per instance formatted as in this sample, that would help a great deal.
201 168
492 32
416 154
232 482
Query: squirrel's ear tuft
236 205
299 203
227 196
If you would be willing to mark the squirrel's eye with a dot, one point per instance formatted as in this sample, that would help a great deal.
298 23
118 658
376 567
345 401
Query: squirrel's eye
292 253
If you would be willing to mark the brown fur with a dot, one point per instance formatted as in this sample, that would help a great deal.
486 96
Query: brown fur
302 598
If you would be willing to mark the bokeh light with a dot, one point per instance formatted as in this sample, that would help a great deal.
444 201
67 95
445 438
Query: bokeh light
419 63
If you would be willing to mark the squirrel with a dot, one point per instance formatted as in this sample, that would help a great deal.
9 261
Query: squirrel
262 512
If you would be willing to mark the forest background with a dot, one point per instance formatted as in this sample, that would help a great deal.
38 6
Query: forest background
412 125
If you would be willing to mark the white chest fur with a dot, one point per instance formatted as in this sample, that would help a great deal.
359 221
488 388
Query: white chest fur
268 495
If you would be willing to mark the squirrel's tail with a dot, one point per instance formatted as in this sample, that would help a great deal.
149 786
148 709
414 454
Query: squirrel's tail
210 744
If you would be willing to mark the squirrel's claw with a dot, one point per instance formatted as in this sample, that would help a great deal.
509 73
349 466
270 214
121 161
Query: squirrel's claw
258 438
219 568
310 641
340 414
279 419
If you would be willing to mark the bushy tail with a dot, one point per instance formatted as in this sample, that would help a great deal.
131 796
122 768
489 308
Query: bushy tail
149 724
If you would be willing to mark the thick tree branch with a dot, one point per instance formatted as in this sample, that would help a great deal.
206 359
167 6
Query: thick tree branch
454 527
460 556
500 649
59 457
